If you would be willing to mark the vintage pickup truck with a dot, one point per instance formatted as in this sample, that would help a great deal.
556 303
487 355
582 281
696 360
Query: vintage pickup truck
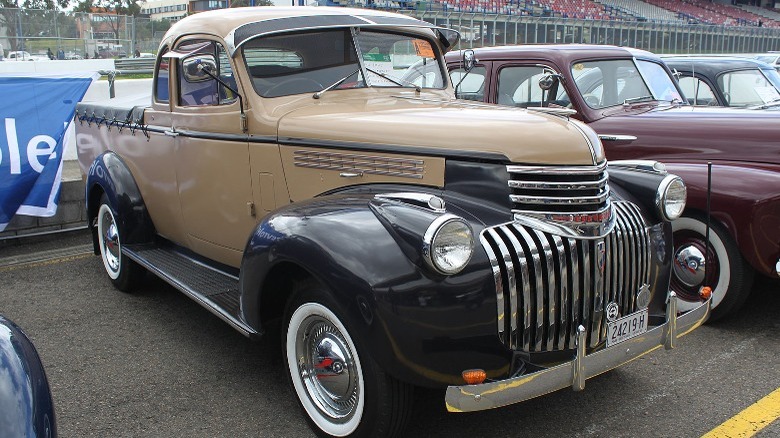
286 175
630 98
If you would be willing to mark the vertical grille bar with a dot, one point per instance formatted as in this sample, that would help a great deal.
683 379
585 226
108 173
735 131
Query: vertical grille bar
549 290
598 262
537 287
547 285
563 293
501 320
511 283
575 291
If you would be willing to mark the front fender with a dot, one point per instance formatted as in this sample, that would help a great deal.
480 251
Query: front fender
746 200
423 327
110 175
25 398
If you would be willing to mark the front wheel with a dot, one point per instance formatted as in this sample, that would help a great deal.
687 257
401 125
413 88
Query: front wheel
123 272
342 391
727 273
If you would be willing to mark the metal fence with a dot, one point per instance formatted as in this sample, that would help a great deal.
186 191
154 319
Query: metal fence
78 35
81 35
479 29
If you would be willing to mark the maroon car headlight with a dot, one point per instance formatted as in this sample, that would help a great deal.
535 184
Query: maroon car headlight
671 196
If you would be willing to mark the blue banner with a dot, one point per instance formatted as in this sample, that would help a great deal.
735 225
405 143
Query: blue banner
35 113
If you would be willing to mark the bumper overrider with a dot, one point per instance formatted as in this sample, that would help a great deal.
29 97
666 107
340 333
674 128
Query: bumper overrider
469 398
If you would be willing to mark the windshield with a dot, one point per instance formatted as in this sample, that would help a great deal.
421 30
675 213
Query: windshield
747 88
614 82
282 65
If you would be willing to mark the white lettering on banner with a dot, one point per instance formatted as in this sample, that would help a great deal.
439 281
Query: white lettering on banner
33 151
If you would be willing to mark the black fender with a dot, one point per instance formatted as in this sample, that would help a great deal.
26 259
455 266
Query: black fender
110 175
25 397
421 326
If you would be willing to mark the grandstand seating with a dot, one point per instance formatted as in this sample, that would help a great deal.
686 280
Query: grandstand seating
675 11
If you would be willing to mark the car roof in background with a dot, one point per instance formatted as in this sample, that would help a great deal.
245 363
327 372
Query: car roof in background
714 64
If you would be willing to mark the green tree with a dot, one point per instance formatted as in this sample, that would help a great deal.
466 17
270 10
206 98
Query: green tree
113 12
12 17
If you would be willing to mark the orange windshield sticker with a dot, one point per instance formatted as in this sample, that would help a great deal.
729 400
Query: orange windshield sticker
423 48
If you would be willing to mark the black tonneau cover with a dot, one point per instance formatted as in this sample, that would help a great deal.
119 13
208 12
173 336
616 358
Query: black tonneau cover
127 110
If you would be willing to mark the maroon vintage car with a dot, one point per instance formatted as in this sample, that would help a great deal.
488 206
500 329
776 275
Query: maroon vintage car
629 97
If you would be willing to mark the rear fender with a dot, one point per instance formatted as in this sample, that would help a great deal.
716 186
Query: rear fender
110 175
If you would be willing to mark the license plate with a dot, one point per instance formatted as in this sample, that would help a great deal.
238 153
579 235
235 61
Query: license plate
626 327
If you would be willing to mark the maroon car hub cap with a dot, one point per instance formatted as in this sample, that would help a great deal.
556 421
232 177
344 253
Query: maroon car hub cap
690 265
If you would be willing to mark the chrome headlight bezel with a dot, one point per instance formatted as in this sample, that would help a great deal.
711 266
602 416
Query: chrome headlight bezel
667 197
437 230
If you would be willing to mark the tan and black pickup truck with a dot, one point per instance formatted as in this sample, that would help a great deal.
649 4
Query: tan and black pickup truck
287 174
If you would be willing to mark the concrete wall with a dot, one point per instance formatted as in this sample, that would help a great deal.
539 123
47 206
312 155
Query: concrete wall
56 66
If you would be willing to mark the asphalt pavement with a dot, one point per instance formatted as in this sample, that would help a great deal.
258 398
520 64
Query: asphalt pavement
155 364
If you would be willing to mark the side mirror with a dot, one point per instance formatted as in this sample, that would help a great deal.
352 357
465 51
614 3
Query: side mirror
546 82
469 60
193 67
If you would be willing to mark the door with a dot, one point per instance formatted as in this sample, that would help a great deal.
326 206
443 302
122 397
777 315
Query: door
212 153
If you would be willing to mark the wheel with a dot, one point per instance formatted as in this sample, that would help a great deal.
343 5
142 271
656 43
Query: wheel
124 273
340 388
728 274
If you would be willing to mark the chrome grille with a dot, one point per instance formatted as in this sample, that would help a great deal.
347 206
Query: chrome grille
580 189
547 285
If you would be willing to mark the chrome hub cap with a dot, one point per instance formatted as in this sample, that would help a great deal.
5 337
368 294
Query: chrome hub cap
689 265
110 246
327 369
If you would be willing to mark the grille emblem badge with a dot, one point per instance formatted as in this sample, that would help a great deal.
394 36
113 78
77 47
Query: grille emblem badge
612 312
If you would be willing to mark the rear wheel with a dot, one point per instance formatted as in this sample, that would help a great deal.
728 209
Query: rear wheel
123 272
340 388
727 273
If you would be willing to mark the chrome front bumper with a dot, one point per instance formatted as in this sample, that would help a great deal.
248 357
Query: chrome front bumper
469 398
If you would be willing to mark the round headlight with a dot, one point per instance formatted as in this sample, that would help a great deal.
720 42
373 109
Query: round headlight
670 198
448 244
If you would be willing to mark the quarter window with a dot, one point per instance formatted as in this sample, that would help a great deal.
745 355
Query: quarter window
470 86
161 81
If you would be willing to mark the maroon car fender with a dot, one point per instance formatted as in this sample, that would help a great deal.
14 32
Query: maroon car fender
745 199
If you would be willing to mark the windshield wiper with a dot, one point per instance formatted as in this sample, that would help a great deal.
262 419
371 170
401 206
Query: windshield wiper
335 84
398 82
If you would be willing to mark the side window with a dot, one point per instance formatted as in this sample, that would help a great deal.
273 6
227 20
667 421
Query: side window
472 85
226 95
161 81
519 86
200 90
697 91
746 88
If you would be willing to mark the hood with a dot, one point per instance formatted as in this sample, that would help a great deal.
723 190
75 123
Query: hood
440 126
694 134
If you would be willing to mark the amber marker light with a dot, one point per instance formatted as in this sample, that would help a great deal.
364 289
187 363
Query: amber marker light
474 377
705 293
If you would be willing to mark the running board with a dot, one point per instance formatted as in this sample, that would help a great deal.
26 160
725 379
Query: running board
213 289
